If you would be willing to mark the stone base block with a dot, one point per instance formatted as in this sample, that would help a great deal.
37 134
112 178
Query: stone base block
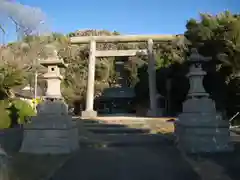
88 114
55 134
151 113
192 139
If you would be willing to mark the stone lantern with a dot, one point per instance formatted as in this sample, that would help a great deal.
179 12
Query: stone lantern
52 131
200 128
53 76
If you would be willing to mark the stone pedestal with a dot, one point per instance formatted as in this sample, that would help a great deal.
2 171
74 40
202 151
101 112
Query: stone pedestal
200 128
155 113
88 114
158 111
151 113
52 131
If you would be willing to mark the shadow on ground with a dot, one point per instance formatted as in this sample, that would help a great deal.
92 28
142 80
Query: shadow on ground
220 166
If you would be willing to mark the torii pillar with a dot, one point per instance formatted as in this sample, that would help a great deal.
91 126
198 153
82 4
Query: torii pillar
89 111
152 80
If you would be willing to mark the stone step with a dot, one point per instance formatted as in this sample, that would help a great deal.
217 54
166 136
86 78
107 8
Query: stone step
112 122
235 130
117 130
87 121
118 122
123 121
134 137
235 137
115 125
127 140
103 125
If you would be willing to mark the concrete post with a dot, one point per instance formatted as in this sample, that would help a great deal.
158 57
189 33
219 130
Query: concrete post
152 79
89 112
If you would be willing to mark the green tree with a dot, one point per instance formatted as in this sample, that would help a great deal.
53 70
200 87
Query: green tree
215 36
218 36
77 58
10 76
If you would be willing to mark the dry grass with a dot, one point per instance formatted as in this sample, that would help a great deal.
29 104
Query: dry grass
34 167
163 130
161 127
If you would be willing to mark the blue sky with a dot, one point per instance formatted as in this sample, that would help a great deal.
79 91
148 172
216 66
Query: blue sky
128 16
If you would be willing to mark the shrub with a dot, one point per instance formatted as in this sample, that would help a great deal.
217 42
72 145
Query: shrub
24 110
5 119
14 113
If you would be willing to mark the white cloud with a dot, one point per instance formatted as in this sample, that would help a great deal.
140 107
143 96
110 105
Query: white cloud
30 19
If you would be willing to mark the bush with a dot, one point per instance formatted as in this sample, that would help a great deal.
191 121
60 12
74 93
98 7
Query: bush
14 113
5 119
23 109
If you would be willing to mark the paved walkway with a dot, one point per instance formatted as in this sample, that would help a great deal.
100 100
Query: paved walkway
127 163
156 160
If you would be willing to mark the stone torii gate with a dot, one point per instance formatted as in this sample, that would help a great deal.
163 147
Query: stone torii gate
89 111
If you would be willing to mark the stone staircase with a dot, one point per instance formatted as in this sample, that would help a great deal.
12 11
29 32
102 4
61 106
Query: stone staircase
105 128
127 132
